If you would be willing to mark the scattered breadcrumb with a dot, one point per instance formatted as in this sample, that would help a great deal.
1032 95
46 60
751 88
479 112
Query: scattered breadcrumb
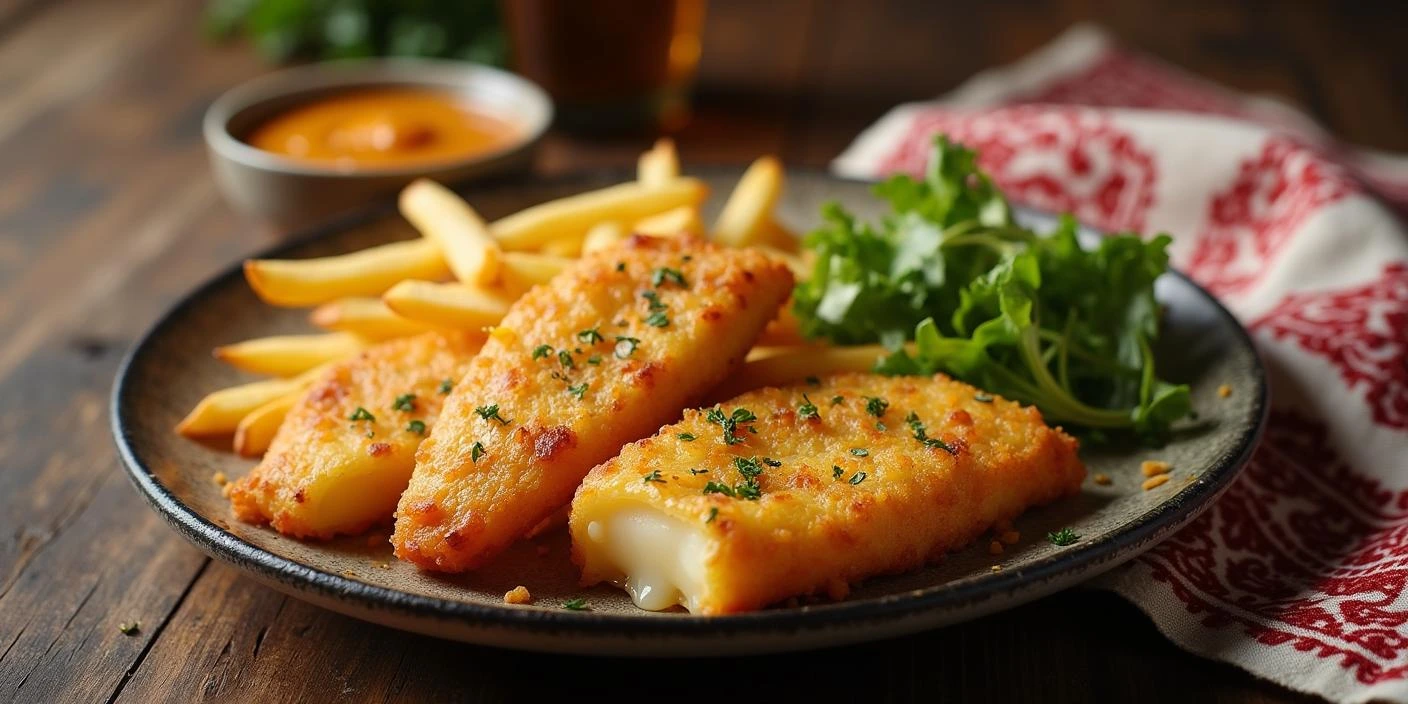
384 565
996 568
130 628
1010 537
1102 479
1150 468
518 595
995 547
220 479
1225 390
1155 481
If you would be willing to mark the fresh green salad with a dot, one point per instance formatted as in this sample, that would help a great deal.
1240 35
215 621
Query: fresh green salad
1034 318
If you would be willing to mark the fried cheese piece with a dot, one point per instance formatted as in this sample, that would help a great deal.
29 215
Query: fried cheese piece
608 351
856 476
346 450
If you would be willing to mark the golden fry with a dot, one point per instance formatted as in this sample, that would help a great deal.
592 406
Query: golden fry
257 430
365 317
569 246
446 305
287 355
659 165
683 220
369 272
444 218
574 215
221 411
603 235
750 205
527 268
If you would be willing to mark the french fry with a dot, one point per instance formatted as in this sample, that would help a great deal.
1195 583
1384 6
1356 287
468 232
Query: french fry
675 221
659 165
795 262
221 411
569 246
794 366
447 305
574 215
370 272
750 205
603 235
365 317
444 218
257 430
784 330
529 268
775 234
289 355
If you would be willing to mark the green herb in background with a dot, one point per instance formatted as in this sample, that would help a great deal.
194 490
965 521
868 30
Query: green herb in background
283 30
1036 319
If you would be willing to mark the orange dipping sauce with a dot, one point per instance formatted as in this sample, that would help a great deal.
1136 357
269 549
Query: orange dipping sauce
383 128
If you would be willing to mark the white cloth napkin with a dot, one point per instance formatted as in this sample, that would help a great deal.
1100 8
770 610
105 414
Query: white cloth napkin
1299 573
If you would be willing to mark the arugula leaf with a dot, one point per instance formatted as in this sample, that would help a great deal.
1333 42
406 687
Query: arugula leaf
1040 320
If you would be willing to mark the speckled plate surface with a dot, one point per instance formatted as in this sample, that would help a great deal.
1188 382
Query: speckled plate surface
171 368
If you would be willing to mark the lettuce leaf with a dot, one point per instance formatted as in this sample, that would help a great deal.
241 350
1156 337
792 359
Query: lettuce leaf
1038 319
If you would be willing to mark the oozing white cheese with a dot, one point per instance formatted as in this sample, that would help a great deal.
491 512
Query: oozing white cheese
661 559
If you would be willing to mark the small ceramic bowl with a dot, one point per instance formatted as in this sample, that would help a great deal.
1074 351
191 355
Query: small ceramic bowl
293 194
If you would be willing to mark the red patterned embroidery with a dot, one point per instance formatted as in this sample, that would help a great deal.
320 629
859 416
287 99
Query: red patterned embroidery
1060 160
1251 221
1362 331
1120 79
1293 555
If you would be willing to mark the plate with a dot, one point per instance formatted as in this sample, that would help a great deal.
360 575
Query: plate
170 368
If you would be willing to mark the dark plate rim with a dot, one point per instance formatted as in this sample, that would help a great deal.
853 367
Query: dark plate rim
1167 517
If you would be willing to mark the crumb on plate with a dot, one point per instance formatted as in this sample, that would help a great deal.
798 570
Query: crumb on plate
1224 391
1151 468
518 595
220 479
1155 481
1102 479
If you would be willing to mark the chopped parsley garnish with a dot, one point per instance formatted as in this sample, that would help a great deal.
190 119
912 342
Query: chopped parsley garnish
491 413
405 402
749 490
713 513
836 471
875 406
590 336
476 451
981 397
594 360
881 426
813 381
565 359
922 435
446 385
697 472
578 390
625 346
416 426
361 414
860 452
653 476
578 604
658 319
857 478
663 274
807 410
687 437
730 423
713 487
542 351
836 400
654 299
749 467
771 462
1063 537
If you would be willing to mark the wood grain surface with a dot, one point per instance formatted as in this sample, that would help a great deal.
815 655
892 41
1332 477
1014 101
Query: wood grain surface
108 214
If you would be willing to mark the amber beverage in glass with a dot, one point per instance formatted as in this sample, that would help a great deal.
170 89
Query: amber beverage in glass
610 65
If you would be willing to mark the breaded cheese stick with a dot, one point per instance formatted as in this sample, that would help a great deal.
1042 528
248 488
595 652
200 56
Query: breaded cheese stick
605 353
346 450
790 491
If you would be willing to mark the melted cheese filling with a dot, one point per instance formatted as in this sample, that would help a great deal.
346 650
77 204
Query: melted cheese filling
661 559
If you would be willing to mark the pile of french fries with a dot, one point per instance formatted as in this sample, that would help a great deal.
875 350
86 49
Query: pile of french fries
464 273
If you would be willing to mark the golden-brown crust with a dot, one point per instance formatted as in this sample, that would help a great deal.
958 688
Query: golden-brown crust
319 447
810 528
563 418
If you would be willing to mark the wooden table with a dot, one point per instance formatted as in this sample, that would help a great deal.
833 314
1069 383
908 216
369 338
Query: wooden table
108 214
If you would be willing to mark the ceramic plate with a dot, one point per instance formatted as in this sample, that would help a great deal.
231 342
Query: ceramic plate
171 368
